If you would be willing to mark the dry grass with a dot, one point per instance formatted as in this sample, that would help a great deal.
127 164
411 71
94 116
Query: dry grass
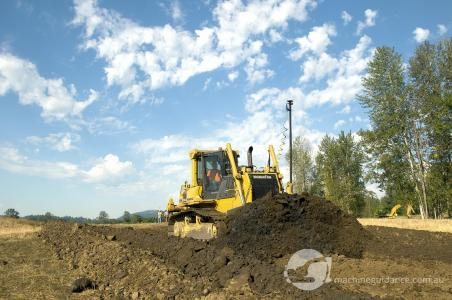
444 225
17 228
30 270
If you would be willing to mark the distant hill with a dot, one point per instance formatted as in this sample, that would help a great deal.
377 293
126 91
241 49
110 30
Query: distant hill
146 214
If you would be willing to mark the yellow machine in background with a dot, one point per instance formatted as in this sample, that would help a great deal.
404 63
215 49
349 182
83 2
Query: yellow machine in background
408 207
218 185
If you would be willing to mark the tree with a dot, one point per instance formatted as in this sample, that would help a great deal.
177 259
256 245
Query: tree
372 205
339 166
12 213
136 218
126 217
103 217
303 167
49 216
431 85
409 110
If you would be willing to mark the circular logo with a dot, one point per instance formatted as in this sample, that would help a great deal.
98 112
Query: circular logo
308 269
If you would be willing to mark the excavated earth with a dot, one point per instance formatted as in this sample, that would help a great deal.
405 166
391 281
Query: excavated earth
248 259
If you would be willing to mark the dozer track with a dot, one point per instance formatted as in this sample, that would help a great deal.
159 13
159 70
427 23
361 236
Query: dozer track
197 223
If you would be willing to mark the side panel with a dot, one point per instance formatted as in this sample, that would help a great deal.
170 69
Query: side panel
194 193
226 204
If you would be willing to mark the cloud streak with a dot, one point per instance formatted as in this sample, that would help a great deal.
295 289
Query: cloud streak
56 100
60 142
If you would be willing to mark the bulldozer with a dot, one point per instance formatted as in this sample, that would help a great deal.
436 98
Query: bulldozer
219 185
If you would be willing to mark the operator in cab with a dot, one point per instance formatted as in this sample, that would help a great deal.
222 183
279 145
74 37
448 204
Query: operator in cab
213 175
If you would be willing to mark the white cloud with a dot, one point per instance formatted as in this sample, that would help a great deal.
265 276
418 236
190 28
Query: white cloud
343 85
275 36
370 15
52 95
346 110
271 98
255 69
442 29
176 11
58 141
339 124
316 41
107 169
346 17
356 119
318 68
141 59
421 34
233 76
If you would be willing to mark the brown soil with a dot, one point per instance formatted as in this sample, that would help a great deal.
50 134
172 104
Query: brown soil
248 259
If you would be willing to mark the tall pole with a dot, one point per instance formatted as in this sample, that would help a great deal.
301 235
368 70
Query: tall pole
289 109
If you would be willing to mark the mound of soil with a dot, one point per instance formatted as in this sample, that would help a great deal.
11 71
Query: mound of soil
277 225
261 236
247 260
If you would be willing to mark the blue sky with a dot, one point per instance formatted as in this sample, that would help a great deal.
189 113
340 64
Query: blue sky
100 101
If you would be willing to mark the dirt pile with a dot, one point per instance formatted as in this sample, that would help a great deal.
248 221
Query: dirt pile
117 269
247 260
277 225
260 237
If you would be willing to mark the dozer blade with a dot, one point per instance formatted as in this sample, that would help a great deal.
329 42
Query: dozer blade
199 231
201 224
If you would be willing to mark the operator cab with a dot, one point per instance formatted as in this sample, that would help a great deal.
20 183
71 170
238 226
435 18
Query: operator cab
214 175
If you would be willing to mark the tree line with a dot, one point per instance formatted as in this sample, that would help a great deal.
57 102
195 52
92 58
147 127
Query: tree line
406 151
103 218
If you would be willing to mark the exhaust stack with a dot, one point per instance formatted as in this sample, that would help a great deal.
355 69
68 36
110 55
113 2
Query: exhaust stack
250 157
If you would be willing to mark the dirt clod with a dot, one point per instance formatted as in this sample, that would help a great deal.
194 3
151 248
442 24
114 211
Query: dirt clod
111 237
81 284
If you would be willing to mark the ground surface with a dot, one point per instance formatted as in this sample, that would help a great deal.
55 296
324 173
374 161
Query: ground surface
143 262
442 225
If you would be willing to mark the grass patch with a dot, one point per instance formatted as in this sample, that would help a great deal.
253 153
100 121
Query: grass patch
17 228
30 270
444 225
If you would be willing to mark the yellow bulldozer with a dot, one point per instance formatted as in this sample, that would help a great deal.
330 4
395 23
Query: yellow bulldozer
218 185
